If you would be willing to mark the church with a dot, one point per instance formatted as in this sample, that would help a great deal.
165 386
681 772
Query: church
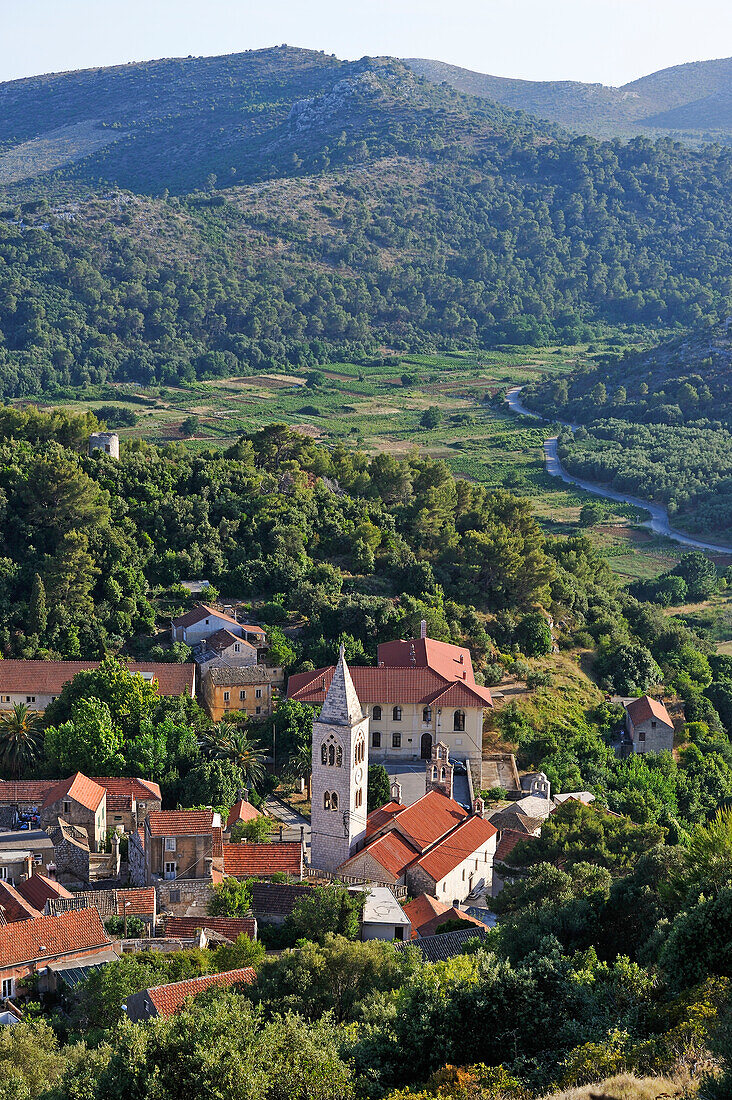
434 846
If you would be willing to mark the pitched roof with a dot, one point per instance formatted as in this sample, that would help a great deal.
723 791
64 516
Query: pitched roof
14 906
242 811
242 860
531 806
202 611
245 674
231 927
451 661
645 708
25 790
389 685
49 677
181 822
127 787
507 843
458 846
48 937
341 706
382 816
135 901
391 851
516 822
446 946
38 889
169 999
277 898
432 816
430 925
78 788
422 909
223 638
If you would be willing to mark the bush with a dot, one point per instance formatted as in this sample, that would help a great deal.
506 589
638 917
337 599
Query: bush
115 926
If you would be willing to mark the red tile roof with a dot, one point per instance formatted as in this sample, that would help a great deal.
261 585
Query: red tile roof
231 927
49 677
136 901
432 927
38 889
68 933
79 788
241 811
242 860
382 816
441 657
457 847
432 816
180 822
389 685
14 906
223 639
125 787
202 611
169 999
507 843
391 851
645 708
426 914
30 791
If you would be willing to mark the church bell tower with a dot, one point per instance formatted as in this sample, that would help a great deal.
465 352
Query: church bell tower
340 769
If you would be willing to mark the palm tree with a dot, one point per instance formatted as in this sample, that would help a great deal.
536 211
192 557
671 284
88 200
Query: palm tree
20 738
226 741
300 765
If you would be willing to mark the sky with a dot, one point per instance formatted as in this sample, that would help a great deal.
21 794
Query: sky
606 41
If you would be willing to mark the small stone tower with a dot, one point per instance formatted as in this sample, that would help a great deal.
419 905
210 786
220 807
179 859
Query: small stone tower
104 441
439 770
540 786
340 770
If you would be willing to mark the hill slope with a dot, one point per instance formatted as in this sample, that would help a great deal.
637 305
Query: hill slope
690 100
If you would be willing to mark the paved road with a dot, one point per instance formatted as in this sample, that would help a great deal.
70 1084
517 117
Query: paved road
412 779
659 521
291 819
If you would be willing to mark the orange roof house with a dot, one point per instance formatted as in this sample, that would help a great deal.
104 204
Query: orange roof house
262 860
38 683
45 945
426 914
13 906
38 889
230 927
166 1000
649 725
242 810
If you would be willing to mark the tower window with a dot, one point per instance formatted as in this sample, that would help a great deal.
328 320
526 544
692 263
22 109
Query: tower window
326 800
331 754
333 800
397 714
458 722
376 714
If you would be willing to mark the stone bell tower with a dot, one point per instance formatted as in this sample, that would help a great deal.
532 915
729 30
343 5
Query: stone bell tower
340 769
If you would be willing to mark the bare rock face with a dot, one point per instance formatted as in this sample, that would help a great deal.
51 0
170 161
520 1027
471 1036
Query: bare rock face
314 113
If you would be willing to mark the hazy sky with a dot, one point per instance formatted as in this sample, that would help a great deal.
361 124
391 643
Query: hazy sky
611 41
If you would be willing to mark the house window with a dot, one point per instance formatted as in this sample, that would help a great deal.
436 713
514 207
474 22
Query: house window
257 693
242 695
170 844
396 740
67 807
397 714
4 873
118 817
227 696
653 725
169 870
7 990
258 710
30 698
174 896
641 735
376 713
237 647
376 739
207 622
458 721
427 714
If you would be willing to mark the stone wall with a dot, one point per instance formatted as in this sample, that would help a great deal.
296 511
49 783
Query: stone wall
183 897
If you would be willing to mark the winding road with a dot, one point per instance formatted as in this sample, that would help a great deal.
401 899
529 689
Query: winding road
659 521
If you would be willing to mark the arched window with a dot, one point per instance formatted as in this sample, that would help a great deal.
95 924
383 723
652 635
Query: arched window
458 722
360 752
326 800
376 714
339 756
324 753
334 800
434 774
397 714
427 714
442 775
331 756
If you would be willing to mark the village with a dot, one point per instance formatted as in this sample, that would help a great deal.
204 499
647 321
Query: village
426 865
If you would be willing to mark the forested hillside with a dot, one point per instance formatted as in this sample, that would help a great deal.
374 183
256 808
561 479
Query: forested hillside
401 214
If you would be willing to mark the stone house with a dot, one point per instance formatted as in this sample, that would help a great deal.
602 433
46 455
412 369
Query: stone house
39 890
230 928
649 725
174 844
166 1000
427 914
39 683
16 864
71 853
421 692
81 802
36 842
204 621
45 946
249 691
129 801
225 650
138 902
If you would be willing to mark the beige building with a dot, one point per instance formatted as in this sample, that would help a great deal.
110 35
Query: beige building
228 692
174 844
649 725
39 683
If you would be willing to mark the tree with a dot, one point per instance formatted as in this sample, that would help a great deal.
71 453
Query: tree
231 898
228 742
591 514
130 698
212 783
20 739
378 791
31 1060
88 743
631 668
699 573
37 612
258 830
326 909
189 426
431 418
534 636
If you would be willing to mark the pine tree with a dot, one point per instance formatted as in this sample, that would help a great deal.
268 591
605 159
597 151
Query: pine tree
38 612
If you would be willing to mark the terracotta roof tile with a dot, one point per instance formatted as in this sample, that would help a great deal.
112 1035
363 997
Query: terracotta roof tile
223 638
388 685
14 906
382 816
444 946
231 927
49 677
276 898
142 902
48 937
507 843
391 851
181 822
79 788
456 847
200 612
137 901
125 787
25 790
38 889
442 657
423 909
242 811
645 708
169 999
242 860
432 816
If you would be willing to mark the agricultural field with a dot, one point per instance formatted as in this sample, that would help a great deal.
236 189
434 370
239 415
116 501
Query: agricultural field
380 406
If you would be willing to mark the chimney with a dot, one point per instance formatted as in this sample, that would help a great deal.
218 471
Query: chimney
396 791
244 795
27 866
423 628
412 657
208 866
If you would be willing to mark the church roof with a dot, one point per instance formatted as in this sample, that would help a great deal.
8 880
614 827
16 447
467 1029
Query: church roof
391 685
428 819
451 661
341 706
